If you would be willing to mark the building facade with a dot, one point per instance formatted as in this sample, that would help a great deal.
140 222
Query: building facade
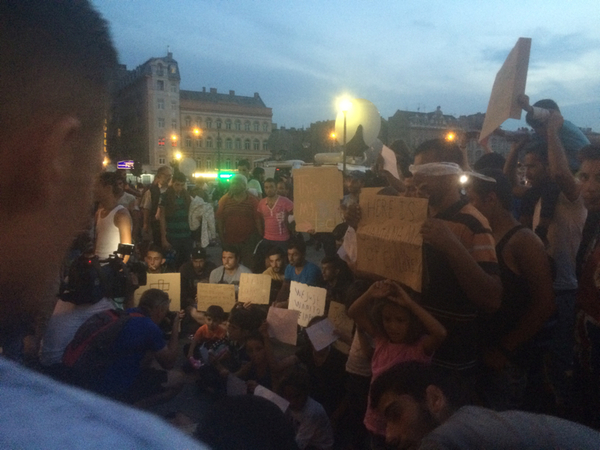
154 122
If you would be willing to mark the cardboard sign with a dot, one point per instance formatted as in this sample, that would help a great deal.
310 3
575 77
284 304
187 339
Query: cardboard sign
309 300
317 195
283 325
255 288
166 282
509 84
222 295
340 320
389 237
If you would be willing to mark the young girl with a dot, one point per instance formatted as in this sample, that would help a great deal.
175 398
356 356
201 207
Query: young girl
402 330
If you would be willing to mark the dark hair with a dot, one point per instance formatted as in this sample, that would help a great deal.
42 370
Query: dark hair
297 244
403 156
246 422
155 248
490 161
180 177
216 312
231 249
171 196
271 180
276 251
57 59
442 151
539 149
257 171
244 163
255 336
356 290
412 378
110 179
152 299
589 152
501 187
545 104
334 260
416 329
299 379
247 319
340 231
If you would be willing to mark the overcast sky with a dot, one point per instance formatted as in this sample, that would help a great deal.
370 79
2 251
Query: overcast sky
400 54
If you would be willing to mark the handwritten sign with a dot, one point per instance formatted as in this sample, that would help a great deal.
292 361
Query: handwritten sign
309 300
389 238
509 84
166 282
255 288
283 324
222 295
340 320
317 195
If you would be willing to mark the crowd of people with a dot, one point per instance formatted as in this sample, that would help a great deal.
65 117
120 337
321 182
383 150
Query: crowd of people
499 349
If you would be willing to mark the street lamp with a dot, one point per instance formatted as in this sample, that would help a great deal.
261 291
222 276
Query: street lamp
178 156
332 136
345 106
197 132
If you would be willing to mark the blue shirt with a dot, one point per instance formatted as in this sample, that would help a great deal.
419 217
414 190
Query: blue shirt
310 274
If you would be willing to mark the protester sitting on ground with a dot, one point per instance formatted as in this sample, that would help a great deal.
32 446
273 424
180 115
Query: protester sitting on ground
113 223
337 277
127 375
511 346
212 331
402 330
299 270
246 422
311 424
231 270
155 260
55 53
196 270
173 211
238 220
424 409
277 259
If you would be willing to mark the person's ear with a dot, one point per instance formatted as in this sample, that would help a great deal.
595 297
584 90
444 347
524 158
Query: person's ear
436 400
162 261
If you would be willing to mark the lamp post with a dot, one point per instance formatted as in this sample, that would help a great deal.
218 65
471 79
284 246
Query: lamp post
197 132
332 136
345 106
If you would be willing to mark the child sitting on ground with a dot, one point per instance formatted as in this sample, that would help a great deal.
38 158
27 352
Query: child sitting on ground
402 330
212 331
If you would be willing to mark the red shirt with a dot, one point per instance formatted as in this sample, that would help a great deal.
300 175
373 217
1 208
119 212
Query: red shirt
275 218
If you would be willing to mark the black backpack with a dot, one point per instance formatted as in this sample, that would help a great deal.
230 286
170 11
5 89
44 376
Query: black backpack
91 351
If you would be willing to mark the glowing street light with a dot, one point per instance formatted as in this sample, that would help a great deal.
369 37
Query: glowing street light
450 136
197 131
178 156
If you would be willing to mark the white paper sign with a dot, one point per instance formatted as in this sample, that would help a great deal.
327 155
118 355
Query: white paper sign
263 392
321 334
255 288
283 325
389 161
236 386
309 300
166 282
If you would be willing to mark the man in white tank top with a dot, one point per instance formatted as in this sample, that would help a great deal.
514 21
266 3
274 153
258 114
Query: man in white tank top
113 222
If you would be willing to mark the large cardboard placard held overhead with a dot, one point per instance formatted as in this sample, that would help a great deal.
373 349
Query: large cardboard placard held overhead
509 84
309 300
389 237
255 288
222 295
166 282
317 195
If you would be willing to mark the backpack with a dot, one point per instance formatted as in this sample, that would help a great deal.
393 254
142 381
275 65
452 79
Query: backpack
91 351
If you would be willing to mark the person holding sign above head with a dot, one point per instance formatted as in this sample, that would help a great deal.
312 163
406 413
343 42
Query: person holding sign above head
231 270
298 269
462 274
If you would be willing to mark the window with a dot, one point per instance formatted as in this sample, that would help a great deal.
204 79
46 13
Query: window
198 122
188 141
266 127
219 142
161 141
238 144
160 103
219 124
174 124
160 70
265 146
160 85
208 123
188 121
247 144
198 163
247 126
228 144
256 126
173 87
256 144
237 162
173 69
228 163
209 143
174 106
208 163
238 125
199 143
161 122
162 161
228 125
